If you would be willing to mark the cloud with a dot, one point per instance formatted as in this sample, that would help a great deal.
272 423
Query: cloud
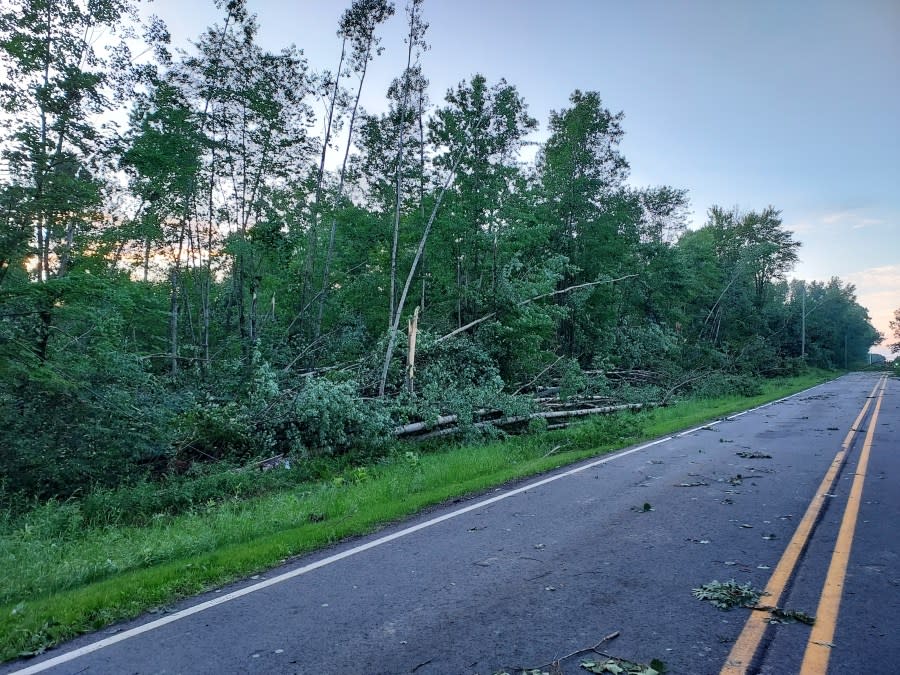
874 278
878 290
836 217
853 218
801 227
865 222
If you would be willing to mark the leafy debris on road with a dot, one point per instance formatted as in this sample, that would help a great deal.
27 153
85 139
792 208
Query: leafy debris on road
728 594
752 454
555 665
790 616
622 667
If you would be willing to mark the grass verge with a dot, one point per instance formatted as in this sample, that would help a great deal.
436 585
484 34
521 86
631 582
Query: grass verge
65 578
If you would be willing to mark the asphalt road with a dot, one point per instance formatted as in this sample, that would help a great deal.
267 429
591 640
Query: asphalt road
553 565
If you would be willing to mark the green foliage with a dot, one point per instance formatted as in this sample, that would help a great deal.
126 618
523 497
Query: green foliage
329 418
76 409
153 327
79 560
614 666
716 385
728 594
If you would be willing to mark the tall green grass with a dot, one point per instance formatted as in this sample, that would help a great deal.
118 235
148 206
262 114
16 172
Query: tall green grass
72 567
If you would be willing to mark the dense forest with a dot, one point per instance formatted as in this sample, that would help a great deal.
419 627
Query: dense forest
219 255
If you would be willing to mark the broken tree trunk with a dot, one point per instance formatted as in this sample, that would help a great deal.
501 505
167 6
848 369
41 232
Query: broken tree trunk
392 335
411 352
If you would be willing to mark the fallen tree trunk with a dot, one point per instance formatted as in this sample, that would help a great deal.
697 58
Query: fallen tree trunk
442 420
576 402
547 415
550 404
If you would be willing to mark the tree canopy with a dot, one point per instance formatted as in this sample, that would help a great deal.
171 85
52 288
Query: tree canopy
198 283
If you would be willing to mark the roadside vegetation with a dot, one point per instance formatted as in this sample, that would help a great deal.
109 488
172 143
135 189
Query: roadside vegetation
78 565
241 317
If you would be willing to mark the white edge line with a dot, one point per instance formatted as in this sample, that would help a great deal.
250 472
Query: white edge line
234 595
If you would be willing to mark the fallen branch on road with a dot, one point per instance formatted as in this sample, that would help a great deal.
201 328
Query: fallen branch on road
556 662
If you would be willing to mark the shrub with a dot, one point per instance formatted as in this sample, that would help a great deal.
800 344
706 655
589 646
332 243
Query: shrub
722 384
327 418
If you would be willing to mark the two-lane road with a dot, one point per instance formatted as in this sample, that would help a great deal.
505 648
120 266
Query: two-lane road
533 572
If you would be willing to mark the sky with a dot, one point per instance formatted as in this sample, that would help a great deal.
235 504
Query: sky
749 104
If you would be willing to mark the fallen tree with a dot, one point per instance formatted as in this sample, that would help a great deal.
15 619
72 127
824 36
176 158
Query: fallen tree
512 420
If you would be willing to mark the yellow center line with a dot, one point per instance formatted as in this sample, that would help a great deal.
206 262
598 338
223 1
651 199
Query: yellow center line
818 649
744 649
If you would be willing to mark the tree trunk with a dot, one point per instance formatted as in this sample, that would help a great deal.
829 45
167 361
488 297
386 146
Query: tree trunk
66 254
174 305
392 339
173 323
146 258
312 238
411 352
399 174
330 252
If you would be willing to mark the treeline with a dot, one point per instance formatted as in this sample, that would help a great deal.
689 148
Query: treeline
231 273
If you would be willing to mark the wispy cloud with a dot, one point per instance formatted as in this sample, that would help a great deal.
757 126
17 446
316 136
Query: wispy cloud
853 218
801 227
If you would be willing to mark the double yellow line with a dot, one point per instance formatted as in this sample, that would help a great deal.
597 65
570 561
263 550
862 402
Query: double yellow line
815 660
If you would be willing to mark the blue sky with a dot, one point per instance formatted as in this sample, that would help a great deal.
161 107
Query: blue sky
794 104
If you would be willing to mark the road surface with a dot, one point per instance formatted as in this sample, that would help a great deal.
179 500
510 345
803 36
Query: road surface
530 573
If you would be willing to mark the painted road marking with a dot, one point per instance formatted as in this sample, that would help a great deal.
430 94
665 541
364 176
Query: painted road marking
305 569
747 644
818 649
